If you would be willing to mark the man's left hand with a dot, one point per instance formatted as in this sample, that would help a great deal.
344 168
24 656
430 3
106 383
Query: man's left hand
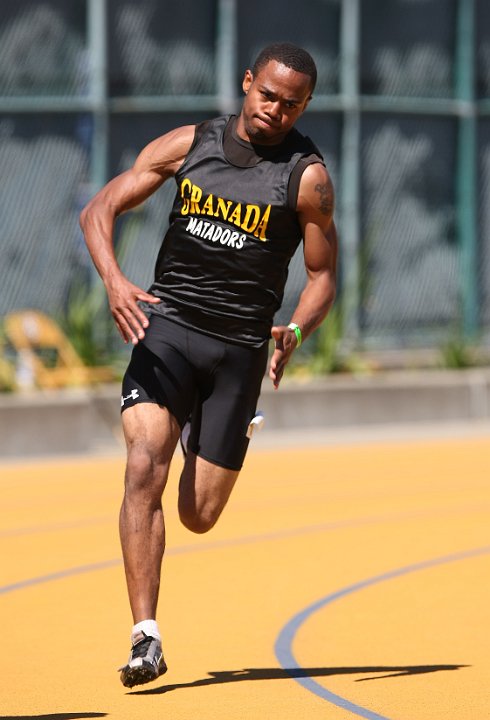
286 342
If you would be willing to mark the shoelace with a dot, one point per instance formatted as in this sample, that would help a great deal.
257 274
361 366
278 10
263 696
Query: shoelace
141 648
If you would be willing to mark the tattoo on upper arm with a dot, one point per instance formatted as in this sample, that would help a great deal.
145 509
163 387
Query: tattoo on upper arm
326 197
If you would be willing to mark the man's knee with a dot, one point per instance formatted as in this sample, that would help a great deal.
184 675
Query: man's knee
140 466
151 434
199 521
145 472
203 493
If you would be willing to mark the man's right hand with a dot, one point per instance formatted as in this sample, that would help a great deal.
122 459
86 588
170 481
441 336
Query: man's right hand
130 320
157 162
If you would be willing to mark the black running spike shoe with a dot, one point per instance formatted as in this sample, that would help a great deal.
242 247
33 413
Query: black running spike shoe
145 662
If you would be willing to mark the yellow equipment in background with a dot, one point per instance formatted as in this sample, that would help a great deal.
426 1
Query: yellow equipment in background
46 356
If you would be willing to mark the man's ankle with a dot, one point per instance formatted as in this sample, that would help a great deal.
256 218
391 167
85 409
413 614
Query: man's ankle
149 627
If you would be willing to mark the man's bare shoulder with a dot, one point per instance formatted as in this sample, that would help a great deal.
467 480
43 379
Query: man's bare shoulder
316 190
165 154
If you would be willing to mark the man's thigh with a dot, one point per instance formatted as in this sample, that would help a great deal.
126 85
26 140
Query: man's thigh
220 420
150 429
160 373
151 434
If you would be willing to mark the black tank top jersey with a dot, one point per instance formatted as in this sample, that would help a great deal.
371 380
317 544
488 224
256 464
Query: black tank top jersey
223 263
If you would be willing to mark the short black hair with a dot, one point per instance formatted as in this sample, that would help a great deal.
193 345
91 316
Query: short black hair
292 56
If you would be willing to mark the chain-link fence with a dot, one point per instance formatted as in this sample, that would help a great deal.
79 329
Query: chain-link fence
85 84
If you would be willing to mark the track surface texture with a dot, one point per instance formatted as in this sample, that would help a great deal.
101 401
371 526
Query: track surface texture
342 581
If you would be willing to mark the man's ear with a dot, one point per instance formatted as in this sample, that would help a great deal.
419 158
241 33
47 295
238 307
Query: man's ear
248 79
307 102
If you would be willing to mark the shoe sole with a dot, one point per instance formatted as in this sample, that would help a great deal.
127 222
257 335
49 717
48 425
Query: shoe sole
141 675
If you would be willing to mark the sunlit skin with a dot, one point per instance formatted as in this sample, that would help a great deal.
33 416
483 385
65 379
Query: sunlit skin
274 100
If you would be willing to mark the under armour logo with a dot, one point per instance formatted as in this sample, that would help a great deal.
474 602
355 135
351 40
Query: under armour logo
133 395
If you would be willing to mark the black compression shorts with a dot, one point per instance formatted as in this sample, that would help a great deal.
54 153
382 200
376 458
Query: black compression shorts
191 374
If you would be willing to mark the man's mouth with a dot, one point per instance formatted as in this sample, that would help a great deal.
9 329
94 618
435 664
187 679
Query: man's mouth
265 122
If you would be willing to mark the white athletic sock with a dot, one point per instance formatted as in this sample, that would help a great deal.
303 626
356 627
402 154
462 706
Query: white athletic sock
149 627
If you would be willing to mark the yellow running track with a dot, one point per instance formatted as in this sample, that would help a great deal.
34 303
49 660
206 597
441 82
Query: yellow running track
343 581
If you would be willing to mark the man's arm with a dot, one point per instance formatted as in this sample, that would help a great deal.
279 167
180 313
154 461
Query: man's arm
315 211
156 163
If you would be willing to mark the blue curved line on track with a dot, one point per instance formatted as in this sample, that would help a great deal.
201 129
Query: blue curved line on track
284 642
283 645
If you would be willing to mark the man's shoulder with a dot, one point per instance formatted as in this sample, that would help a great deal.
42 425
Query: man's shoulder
302 144
207 128
215 123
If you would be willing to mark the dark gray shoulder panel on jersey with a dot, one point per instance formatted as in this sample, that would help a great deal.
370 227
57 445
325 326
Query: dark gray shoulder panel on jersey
202 129
198 133
297 174
195 139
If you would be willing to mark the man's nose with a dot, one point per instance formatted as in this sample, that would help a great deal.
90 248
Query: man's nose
274 109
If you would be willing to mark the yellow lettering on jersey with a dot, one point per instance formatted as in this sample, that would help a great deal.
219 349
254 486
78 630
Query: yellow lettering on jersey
236 215
223 208
261 228
207 208
195 197
185 192
251 219
218 207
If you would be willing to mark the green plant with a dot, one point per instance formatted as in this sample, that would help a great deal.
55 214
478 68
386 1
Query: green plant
324 354
7 369
326 357
457 354
85 314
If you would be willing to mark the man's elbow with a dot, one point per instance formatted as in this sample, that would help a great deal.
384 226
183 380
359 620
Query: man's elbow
82 219
330 291
329 303
84 216
93 212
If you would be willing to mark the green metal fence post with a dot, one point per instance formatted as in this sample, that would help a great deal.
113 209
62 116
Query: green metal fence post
226 51
349 170
97 47
99 155
466 166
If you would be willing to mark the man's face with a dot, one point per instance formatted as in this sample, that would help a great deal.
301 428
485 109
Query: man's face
274 100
